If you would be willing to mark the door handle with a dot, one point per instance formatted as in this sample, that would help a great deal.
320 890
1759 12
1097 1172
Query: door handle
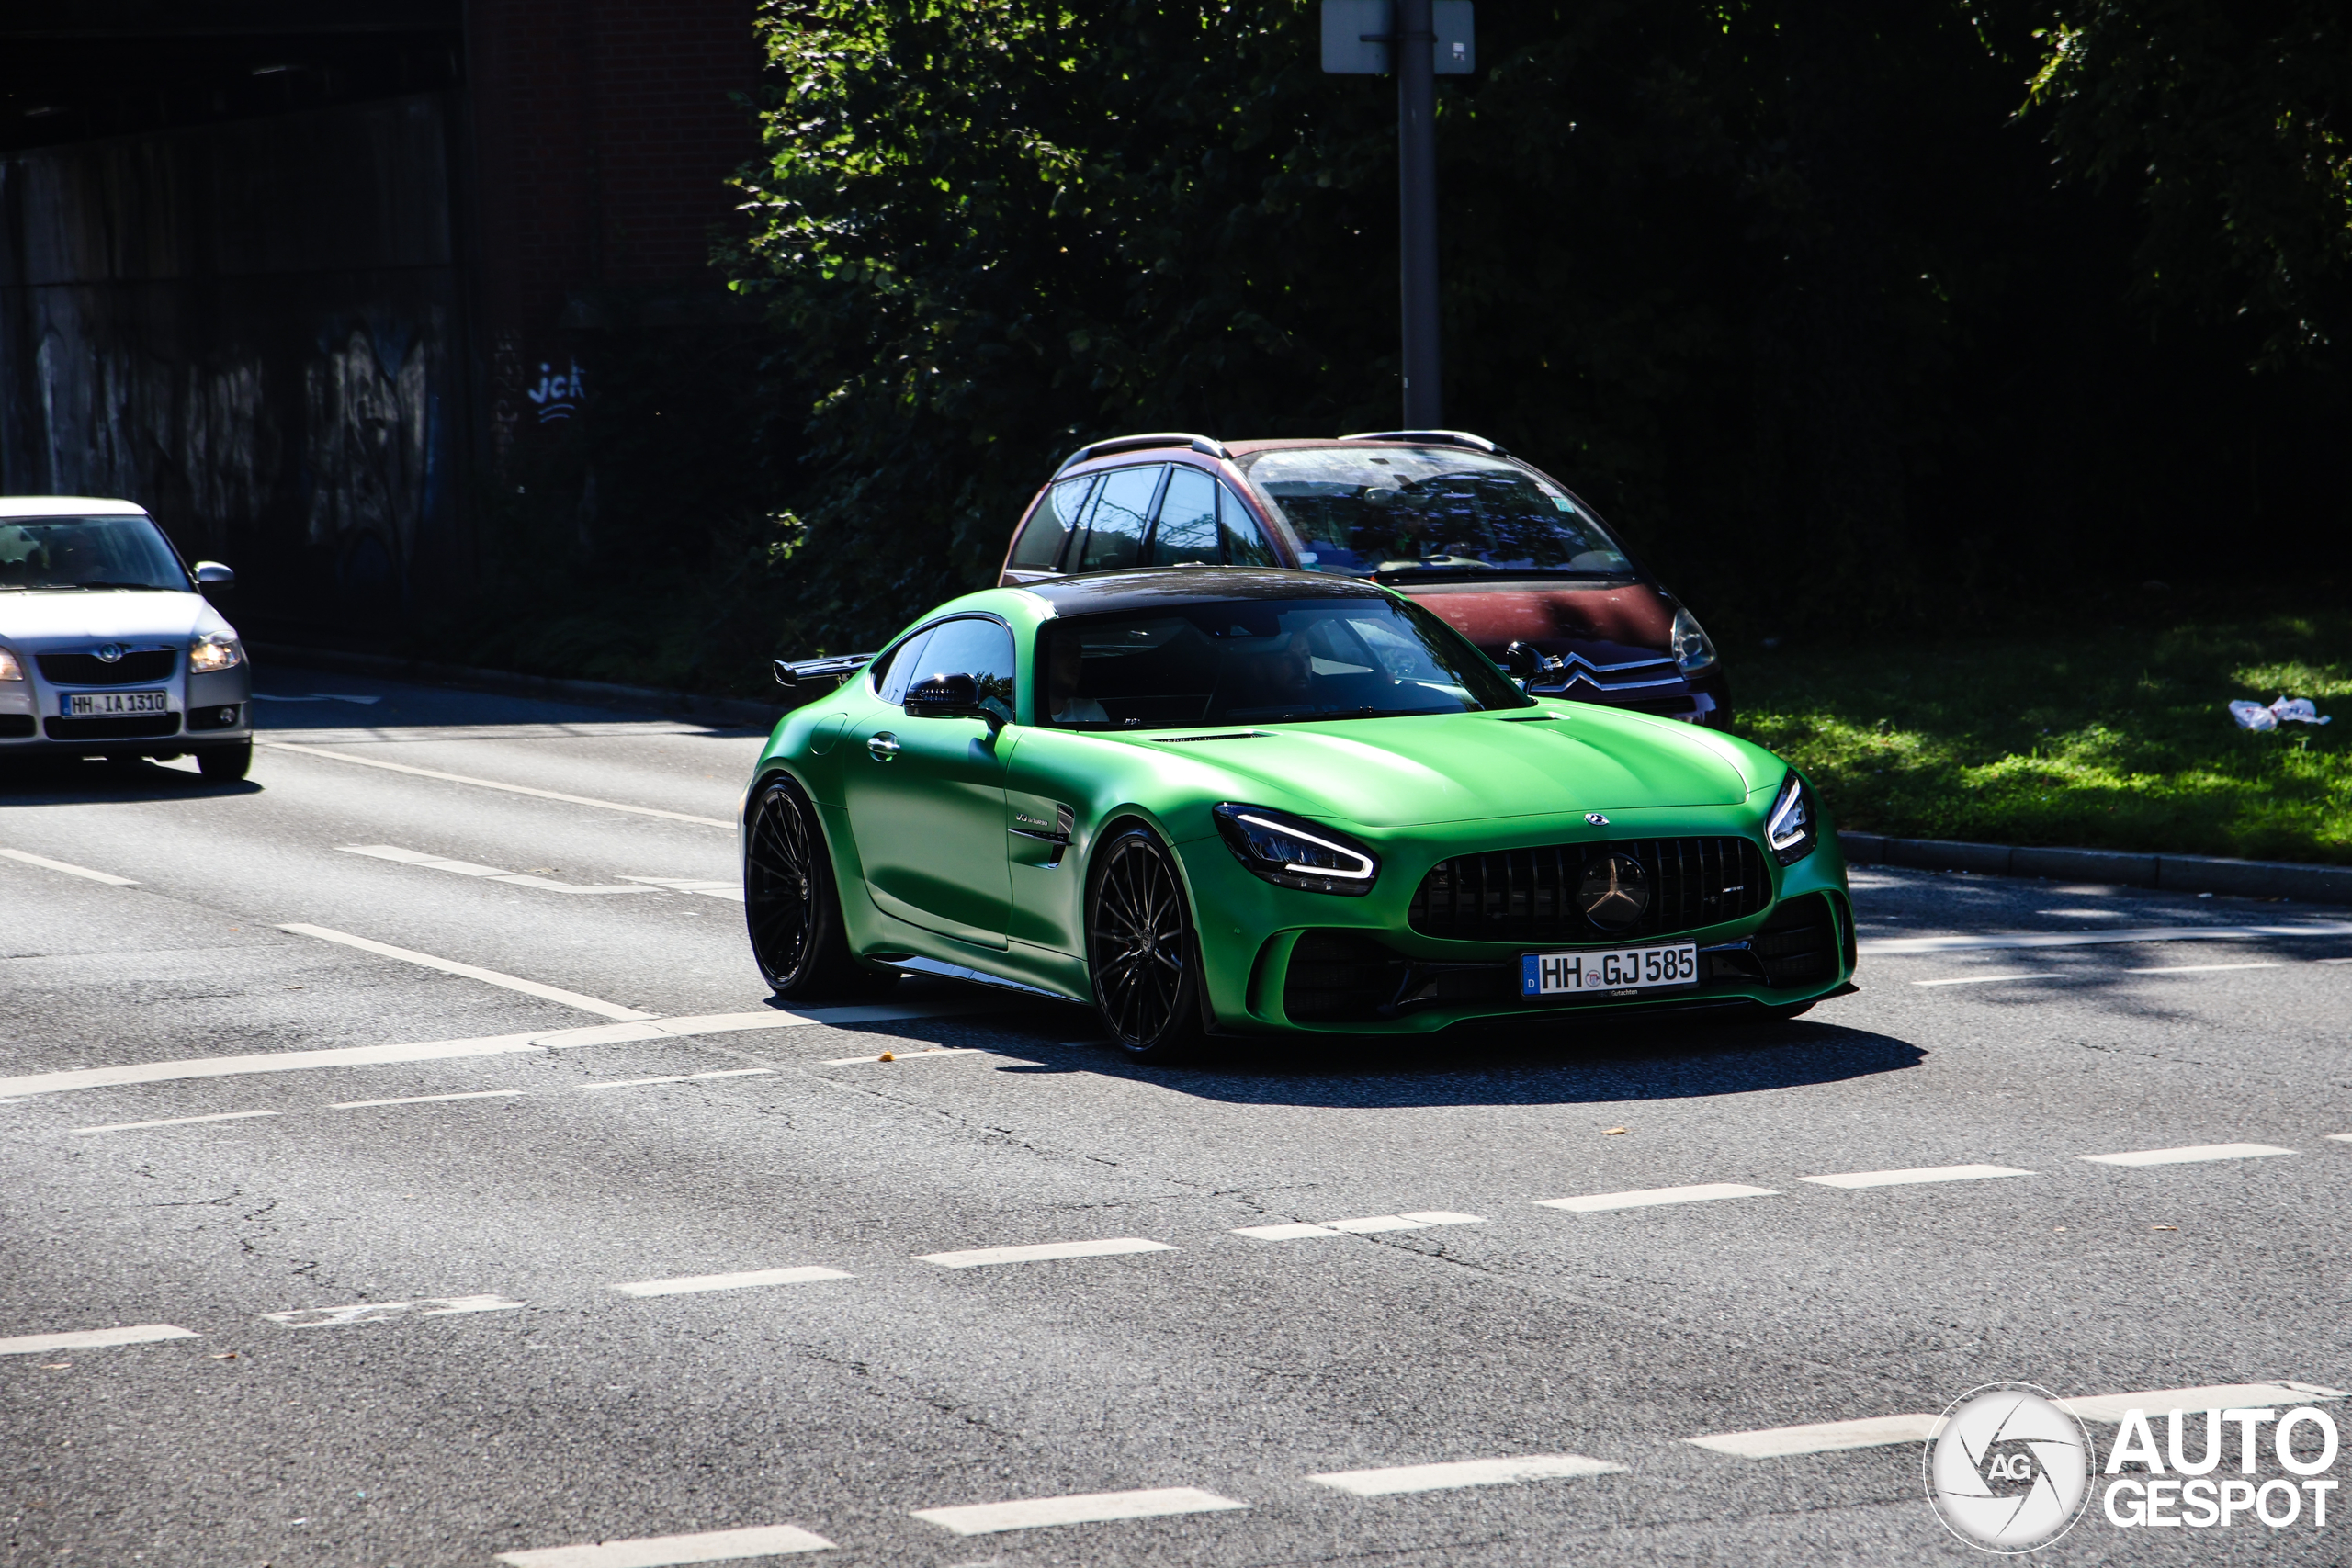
882 745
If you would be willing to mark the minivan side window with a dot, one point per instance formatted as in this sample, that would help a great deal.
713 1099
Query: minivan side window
1186 530
1245 541
1115 531
1039 548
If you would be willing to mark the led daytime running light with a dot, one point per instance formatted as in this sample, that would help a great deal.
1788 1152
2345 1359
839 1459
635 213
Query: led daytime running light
1791 830
1365 866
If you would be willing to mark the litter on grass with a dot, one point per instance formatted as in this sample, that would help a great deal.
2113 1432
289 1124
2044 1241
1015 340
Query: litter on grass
2285 710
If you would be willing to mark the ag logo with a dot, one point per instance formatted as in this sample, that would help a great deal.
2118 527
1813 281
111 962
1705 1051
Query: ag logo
2009 1470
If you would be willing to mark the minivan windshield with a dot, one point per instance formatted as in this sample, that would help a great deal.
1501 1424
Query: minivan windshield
86 552
1262 661
1412 513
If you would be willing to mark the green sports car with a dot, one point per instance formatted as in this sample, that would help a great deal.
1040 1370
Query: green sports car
1233 801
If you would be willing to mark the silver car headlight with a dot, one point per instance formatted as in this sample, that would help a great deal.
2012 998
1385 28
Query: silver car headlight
1793 829
1692 651
9 669
212 652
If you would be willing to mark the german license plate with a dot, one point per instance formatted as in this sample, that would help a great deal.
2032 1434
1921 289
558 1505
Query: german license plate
115 704
1626 969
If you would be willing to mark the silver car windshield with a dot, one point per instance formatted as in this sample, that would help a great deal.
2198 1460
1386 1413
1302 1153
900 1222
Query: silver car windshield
1410 513
75 553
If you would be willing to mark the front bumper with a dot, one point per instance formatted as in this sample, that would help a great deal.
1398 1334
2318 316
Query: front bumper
207 710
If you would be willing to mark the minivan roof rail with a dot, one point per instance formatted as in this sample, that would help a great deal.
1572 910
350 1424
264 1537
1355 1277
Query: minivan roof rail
1206 444
1451 438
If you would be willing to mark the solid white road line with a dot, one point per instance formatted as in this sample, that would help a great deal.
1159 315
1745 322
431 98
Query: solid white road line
662 1550
378 1311
2201 968
493 783
2158 1402
48 864
426 1098
442 1050
689 1284
1823 1437
91 1339
1283 1233
682 1078
471 972
1599 1202
981 1257
1910 1178
1988 979
1464 1473
173 1122
986 1518
1879 947
2189 1156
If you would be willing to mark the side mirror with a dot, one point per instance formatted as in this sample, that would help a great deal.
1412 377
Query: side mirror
211 574
1523 660
943 696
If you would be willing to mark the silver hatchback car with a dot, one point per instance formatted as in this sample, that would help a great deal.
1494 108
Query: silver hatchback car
108 648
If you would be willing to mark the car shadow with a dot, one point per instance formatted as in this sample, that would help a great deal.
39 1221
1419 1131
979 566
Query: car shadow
51 780
1507 1066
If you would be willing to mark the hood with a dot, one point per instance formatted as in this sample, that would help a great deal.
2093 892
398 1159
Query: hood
105 615
1630 621
1398 772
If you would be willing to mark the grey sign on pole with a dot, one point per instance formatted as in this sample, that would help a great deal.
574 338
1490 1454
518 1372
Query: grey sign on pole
1415 40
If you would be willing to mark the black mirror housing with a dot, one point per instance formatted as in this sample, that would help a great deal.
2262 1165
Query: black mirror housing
943 696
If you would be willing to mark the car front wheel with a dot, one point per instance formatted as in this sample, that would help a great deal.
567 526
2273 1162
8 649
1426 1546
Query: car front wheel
1140 949
792 904
226 765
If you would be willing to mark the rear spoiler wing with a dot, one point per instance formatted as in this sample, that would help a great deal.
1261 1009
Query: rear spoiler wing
794 674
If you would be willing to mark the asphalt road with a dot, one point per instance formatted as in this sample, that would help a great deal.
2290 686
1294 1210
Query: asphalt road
387 1209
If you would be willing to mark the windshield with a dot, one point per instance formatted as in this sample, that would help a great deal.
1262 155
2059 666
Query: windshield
1430 511
1263 661
86 552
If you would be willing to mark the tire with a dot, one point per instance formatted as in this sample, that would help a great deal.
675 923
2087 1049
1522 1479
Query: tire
226 765
792 904
1140 949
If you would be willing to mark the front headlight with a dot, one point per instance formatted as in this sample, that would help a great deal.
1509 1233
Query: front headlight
1793 830
1692 651
212 652
1290 852
9 669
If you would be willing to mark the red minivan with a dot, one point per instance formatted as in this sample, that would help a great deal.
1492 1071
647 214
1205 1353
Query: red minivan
1505 554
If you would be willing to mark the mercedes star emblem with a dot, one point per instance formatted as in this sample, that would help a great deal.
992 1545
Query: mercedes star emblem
1615 892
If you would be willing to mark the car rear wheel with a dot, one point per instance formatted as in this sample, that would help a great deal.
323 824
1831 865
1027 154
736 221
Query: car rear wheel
226 765
793 905
1140 949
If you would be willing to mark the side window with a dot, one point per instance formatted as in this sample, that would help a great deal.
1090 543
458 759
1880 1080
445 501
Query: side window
982 649
1114 531
1245 541
894 673
1040 546
1186 532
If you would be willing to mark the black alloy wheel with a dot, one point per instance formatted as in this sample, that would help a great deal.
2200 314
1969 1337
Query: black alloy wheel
1140 949
792 905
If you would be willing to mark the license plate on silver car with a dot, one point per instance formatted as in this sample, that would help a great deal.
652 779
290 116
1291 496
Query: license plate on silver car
115 704
1624 969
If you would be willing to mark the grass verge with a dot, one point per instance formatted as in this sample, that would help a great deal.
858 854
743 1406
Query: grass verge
2117 739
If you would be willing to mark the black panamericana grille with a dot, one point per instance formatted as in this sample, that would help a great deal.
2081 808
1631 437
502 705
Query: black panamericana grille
89 669
1529 895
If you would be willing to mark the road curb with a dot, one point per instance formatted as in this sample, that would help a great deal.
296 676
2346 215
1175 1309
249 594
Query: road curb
739 711
2171 874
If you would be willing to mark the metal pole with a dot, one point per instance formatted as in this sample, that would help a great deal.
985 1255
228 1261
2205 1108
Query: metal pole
1415 45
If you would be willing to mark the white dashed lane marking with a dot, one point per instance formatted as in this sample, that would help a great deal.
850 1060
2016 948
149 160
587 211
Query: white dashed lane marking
487 873
1707 1192
691 1284
1988 979
472 972
1823 1436
2189 1156
704 885
2160 1402
1369 1225
987 1518
1405 1478
176 1122
91 1339
683 1077
981 1257
426 1098
48 864
2202 968
379 1312
908 1056
1911 1178
1870 946
662 1550
493 783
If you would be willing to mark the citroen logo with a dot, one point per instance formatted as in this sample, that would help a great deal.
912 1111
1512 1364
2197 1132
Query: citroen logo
1596 818
1615 892
110 653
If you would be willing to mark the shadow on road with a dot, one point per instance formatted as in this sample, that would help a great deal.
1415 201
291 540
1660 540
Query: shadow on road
84 782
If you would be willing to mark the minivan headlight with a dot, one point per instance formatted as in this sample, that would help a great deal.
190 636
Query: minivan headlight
1290 851
212 651
1692 651
1793 829
9 669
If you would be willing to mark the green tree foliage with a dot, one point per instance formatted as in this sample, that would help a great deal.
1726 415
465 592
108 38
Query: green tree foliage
2230 122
